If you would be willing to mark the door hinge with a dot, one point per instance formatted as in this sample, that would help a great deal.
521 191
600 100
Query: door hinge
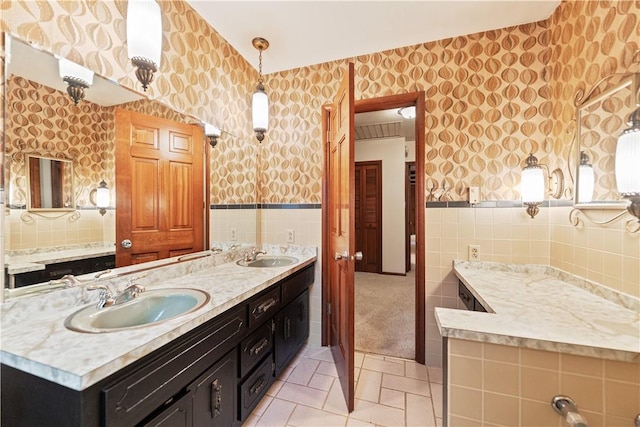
273 368
329 309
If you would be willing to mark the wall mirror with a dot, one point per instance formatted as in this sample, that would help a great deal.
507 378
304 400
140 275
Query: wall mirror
50 184
88 140
602 114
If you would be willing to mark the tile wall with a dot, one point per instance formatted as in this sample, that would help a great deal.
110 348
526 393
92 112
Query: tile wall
497 385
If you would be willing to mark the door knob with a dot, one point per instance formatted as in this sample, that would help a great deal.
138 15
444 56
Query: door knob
357 256
126 243
339 256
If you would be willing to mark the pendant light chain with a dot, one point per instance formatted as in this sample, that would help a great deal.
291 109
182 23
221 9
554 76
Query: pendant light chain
260 66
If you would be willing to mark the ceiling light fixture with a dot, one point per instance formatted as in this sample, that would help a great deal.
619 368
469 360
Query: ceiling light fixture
212 133
408 112
144 38
627 162
77 78
260 100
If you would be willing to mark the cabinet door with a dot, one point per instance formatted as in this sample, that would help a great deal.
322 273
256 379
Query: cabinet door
292 328
177 414
214 394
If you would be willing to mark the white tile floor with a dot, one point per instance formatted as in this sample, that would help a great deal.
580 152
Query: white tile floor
389 392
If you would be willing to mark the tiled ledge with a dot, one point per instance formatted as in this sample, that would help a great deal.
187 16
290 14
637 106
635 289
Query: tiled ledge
544 308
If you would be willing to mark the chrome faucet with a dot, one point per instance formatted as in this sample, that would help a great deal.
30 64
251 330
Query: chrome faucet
216 250
248 257
68 280
107 299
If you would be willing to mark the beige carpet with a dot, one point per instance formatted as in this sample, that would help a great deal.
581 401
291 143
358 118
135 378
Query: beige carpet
385 313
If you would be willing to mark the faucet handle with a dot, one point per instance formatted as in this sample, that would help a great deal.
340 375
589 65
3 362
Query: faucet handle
106 298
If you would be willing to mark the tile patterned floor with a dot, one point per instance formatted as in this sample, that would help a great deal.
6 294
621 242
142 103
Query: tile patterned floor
389 392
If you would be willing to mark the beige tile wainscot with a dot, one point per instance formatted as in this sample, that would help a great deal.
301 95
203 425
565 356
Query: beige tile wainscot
544 333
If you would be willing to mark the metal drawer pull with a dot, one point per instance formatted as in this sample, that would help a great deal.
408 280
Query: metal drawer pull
216 398
260 346
255 388
265 306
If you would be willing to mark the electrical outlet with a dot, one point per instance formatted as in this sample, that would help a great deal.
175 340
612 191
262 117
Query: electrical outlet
474 195
474 252
234 234
291 235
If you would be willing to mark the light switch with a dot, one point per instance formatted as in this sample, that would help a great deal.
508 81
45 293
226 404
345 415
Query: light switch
474 195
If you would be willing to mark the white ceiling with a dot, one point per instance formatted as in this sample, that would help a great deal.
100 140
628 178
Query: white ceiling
306 32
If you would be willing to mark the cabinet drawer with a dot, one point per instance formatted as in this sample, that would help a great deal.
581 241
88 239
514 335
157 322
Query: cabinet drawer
254 387
176 414
255 347
294 285
142 391
263 307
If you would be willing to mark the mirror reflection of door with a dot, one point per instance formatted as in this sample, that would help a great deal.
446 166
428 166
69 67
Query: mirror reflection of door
160 188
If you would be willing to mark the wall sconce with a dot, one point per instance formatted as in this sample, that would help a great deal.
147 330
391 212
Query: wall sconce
408 112
627 163
532 185
586 179
212 133
100 197
77 78
144 38
260 100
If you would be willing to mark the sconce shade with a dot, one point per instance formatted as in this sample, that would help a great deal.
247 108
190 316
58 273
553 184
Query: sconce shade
103 198
260 112
408 112
532 182
144 38
77 78
212 133
586 179
627 160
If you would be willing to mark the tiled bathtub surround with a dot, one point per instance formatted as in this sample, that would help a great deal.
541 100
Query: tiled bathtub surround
498 385
534 307
78 360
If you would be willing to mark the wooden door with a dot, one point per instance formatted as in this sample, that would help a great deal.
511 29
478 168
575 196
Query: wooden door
341 239
410 209
159 188
368 215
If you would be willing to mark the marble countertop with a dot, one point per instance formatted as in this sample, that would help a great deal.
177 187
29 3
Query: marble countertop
37 341
544 308
17 264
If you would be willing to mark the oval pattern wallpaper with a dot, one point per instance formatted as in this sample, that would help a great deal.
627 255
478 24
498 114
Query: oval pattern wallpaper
491 98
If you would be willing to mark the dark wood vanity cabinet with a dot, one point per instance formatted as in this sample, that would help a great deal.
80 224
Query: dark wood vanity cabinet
59 269
213 375
470 301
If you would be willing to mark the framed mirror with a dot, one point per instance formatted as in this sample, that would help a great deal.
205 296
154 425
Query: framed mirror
50 184
601 116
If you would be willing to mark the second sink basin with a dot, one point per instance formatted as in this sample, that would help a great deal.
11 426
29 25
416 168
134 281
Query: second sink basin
269 261
148 308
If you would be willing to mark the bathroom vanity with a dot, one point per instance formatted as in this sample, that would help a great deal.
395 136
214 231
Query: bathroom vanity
531 333
209 367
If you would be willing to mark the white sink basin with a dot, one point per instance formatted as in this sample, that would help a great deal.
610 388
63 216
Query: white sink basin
269 261
148 308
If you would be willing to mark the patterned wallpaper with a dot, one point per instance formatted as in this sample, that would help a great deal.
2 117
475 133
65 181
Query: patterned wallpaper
492 97
589 41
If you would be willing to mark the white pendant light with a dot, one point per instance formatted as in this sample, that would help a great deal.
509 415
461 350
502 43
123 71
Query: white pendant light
77 78
260 100
627 163
532 185
144 38
586 179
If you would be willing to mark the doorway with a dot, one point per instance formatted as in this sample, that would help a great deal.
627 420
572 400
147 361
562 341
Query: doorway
377 104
